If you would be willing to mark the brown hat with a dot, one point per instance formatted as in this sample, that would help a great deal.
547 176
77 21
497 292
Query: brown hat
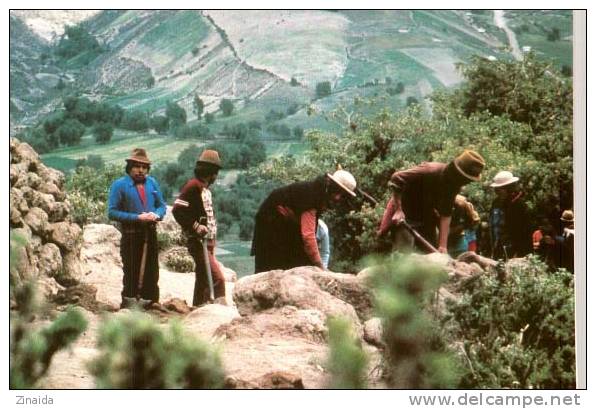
139 155
469 164
211 157
568 216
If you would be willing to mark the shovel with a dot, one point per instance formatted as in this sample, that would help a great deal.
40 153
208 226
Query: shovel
143 263
203 221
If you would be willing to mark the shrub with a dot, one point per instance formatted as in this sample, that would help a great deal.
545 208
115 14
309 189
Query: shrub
176 115
347 360
103 132
518 332
178 259
87 190
32 348
135 353
416 354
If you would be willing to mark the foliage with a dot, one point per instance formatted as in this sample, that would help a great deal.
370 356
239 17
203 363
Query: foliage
32 348
416 354
323 89
226 106
176 115
518 332
135 120
135 353
87 190
198 106
347 360
70 132
103 132
377 147
160 123
92 161
195 131
179 260
209 118
75 41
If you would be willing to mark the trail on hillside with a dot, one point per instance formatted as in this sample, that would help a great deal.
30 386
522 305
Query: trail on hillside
501 22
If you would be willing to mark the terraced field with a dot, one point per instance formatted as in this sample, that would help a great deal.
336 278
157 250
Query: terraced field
159 149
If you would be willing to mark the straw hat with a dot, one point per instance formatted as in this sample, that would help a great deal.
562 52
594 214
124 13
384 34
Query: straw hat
345 180
503 178
470 164
210 157
139 155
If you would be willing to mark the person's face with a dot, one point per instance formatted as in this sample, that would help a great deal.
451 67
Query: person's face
502 192
139 171
211 178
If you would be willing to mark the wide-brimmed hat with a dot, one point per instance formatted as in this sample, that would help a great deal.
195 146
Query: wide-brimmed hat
470 164
568 216
503 178
211 157
139 155
345 180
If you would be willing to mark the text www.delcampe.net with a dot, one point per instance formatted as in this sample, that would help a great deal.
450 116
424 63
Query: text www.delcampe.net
482 398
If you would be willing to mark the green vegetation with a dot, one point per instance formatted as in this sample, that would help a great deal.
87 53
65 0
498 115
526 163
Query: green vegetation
88 189
323 89
77 42
32 347
518 333
417 355
226 106
347 360
135 353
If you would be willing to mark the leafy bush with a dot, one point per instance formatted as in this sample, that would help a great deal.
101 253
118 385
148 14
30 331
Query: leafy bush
75 41
32 348
87 190
103 132
178 259
135 353
347 360
416 354
176 115
518 332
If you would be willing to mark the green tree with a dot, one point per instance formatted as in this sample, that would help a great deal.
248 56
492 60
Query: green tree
70 132
160 123
209 118
294 82
135 120
176 115
103 132
75 41
226 106
323 89
199 106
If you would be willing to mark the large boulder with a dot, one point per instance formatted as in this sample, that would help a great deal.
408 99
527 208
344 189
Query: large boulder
204 321
66 235
296 287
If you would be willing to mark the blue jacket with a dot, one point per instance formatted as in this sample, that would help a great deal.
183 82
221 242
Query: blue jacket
124 203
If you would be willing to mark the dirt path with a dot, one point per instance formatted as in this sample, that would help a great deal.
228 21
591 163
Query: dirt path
501 22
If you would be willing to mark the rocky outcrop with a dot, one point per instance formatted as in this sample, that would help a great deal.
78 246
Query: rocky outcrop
39 212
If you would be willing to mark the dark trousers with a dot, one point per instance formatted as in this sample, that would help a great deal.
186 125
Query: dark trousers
131 251
201 290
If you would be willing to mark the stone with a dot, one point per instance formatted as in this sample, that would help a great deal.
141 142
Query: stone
177 305
285 322
37 220
373 332
66 235
71 273
59 212
44 201
295 287
52 189
50 260
271 380
204 321
33 181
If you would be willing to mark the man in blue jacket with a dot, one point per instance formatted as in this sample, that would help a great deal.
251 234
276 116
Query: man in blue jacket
137 203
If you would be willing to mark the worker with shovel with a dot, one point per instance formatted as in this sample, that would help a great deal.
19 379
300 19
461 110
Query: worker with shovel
193 210
423 199
136 202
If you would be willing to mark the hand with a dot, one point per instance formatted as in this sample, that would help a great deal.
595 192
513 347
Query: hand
147 217
442 250
398 217
201 230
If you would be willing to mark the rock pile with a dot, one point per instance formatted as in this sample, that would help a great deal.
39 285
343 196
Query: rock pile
39 212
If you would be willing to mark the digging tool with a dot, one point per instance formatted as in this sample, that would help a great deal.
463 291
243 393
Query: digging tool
429 247
143 263
203 221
